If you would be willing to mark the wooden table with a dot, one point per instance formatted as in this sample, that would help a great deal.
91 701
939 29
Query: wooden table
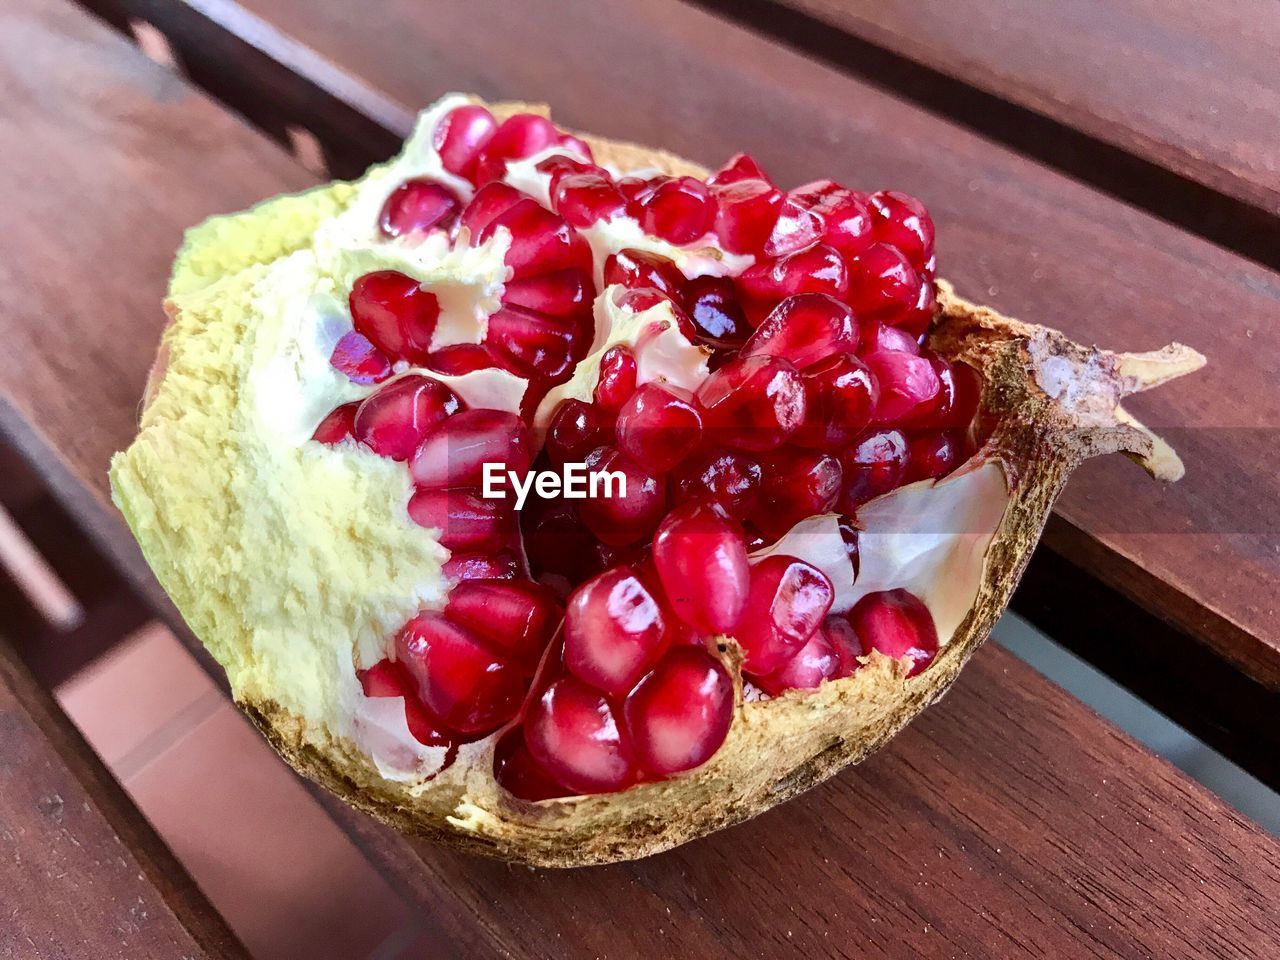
1008 820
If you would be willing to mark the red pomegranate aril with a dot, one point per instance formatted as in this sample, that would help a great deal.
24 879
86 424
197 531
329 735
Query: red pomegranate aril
489 202
362 362
623 518
513 618
786 602
746 212
877 337
875 464
817 269
395 313
577 145
701 558
393 421
521 775
908 384
576 429
917 319
898 624
388 678
571 732
420 204
716 313
934 454
616 380
957 401
680 210
805 329
797 484
639 268
678 716
752 403
741 166
846 218
637 190
584 198
535 344
881 278
455 454
561 294
845 642
481 566
796 228
461 358
558 544
816 661
460 135
841 394
541 242
467 522
902 220
613 631
338 424
519 136
659 426
730 478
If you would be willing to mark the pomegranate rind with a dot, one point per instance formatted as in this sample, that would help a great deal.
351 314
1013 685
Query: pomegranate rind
191 484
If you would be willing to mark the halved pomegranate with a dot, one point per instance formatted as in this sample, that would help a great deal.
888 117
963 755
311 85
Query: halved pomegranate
819 471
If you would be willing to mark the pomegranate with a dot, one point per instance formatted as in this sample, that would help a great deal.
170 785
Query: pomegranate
806 449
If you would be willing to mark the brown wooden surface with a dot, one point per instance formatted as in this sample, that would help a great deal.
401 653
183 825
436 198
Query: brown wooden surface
82 873
1007 821
1013 234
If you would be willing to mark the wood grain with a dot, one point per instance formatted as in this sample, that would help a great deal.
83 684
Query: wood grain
83 874
1028 241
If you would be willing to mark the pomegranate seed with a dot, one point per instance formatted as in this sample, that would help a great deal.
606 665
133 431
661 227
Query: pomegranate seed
882 278
387 678
701 558
876 464
577 145
612 631
816 661
898 624
460 135
461 358
622 519
560 165
561 294
481 566
680 713
841 395
519 136
584 198
521 775
455 454
393 421
717 317
797 227
576 429
359 359
908 384
934 454
514 618
559 546
659 426
459 680
920 315
752 403
846 644
726 477
785 604
489 202
639 189
746 211
849 534
957 401
639 268
419 204
680 210
337 425
740 166
879 337
902 220
541 242
534 344
572 733
797 484
395 313
845 215
817 269
467 522
805 329
616 381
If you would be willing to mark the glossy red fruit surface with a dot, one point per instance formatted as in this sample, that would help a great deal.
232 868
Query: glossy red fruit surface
729 478
805 329
934 454
502 565
586 197
718 318
659 426
845 217
576 429
908 384
639 268
626 516
419 205
898 624
616 380
746 212
904 222
797 484
515 619
517 137
701 558
520 774
680 210
875 464
815 662
338 425
816 269
678 715
390 679
393 421
454 455
752 403
572 733
787 600
465 520
841 395
613 631
362 362
459 136
395 313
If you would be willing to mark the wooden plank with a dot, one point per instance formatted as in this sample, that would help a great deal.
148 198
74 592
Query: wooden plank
1012 233
1010 820
82 872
